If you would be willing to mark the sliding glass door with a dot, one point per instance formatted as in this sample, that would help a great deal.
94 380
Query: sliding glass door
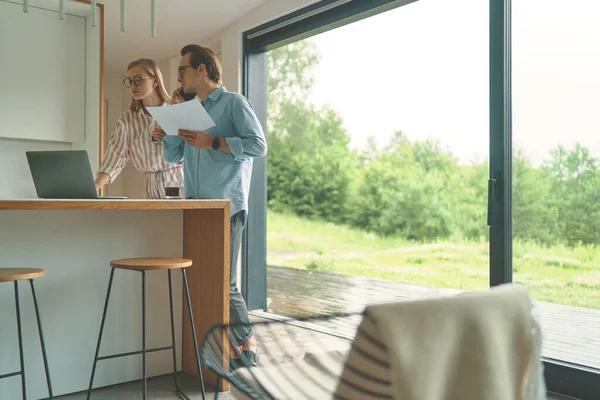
556 171
535 206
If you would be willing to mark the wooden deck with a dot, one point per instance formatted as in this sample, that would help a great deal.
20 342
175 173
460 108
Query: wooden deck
570 334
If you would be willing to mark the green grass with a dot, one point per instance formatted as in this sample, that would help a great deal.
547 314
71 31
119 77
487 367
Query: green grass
558 274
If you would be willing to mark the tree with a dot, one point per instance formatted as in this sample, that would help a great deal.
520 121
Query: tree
413 189
289 74
535 213
403 191
469 200
309 163
575 192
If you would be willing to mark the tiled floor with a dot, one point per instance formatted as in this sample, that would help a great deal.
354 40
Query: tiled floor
274 350
160 388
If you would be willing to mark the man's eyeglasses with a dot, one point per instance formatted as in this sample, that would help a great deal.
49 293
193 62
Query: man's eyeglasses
181 70
137 80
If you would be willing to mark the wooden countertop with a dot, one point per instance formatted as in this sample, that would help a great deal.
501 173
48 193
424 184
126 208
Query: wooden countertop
125 204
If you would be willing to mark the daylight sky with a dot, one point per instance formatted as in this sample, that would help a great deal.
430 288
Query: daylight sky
423 69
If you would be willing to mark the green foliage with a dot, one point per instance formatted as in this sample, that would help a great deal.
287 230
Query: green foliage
394 199
558 274
321 266
309 163
575 194
469 199
289 72
415 190
557 203
535 213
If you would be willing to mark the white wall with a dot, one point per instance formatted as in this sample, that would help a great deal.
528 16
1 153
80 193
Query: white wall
16 181
72 293
43 85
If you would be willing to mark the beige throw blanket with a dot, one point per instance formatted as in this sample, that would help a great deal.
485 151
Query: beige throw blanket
475 346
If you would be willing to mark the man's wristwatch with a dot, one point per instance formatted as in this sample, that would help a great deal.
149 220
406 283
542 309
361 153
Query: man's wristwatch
216 143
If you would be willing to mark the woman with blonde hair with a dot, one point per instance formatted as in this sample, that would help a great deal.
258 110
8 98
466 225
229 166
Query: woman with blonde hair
132 138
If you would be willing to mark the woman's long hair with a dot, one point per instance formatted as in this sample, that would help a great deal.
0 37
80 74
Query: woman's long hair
152 69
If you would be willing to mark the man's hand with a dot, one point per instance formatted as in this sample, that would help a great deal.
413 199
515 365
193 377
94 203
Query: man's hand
199 140
176 97
158 134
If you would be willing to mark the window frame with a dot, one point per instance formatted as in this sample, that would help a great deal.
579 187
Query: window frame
561 377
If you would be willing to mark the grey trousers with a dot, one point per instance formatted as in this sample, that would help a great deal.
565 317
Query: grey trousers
238 311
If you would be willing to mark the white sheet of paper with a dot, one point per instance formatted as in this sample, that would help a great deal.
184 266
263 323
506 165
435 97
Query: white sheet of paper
189 115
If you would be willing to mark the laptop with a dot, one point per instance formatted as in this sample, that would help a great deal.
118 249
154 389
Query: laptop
63 175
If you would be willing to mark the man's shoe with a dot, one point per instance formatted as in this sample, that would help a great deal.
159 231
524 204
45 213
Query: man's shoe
248 359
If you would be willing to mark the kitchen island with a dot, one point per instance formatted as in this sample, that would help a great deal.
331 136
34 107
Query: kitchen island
74 241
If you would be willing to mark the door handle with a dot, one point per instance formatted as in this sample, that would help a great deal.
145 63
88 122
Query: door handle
493 194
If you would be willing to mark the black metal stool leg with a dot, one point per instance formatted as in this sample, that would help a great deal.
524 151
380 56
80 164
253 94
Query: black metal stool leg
112 272
218 387
175 380
189 302
18 308
39 322
144 330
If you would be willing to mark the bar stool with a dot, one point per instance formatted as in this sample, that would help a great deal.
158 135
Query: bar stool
22 274
142 265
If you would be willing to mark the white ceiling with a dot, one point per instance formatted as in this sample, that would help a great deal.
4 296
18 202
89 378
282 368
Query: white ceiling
178 22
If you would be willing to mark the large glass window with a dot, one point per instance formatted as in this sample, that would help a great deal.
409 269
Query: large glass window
556 170
378 148
379 159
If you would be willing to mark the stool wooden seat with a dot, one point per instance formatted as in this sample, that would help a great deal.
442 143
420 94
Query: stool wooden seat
19 274
151 263
142 265
25 274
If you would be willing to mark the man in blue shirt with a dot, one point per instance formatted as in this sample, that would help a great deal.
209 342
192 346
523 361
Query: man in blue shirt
218 163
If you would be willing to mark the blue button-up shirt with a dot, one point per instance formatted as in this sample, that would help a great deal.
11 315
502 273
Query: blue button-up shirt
214 174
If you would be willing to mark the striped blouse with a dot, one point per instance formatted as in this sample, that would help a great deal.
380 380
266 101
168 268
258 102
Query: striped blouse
132 140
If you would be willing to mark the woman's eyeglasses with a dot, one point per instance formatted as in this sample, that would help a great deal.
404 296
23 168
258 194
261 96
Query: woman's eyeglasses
137 80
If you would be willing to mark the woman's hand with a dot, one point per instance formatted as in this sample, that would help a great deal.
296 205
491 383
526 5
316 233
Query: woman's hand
101 180
158 134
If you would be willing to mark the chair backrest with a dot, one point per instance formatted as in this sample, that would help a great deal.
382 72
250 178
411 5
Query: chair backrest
482 345
366 372
298 357
471 346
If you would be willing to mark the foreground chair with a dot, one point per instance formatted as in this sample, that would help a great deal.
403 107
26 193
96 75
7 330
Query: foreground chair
471 346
